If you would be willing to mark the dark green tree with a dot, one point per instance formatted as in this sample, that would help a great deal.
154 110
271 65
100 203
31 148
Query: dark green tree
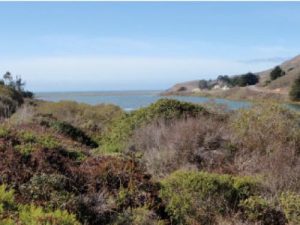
295 90
276 73
247 79
203 84
7 77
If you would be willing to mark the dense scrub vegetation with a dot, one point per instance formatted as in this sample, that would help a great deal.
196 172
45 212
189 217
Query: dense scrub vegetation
168 163
295 90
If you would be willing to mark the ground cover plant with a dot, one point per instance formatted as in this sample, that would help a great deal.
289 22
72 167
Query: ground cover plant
168 163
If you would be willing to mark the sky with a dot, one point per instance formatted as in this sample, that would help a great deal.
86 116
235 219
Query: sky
95 46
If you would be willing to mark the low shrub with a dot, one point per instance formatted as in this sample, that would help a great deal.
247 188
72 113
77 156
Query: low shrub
255 209
290 203
295 90
47 141
4 132
30 214
91 119
49 190
200 196
74 133
138 216
122 129
268 138
200 142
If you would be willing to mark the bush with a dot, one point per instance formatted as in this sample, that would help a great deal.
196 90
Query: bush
6 198
50 190
122 129
73 132
268 138
4 132
295 90
93 120
200 142
276 73
200 196
290 202
264 125
32 215
255 208
138 216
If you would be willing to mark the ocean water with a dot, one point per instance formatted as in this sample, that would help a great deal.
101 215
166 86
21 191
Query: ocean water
130 100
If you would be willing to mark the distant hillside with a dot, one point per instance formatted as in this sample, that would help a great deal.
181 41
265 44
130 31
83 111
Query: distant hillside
292 71
229 86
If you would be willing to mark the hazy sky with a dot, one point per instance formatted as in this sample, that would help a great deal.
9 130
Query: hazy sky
122 46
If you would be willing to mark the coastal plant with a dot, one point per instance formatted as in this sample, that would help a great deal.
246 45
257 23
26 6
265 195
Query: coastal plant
290 202
258 209
200 142
200 196
295 90
116 138
268 138
91 119
4 132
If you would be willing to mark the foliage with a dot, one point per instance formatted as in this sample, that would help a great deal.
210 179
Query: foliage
200 196
295 90
91 119
69 130
49 189
138 216
276 73
263 125
30 214
290 202
4 132
166 109
256 208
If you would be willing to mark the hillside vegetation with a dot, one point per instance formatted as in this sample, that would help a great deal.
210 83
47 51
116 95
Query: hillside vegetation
12 95
169 163
273 84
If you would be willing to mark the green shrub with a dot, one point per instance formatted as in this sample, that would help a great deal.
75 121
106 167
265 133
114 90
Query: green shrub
200 196
122 129
257 209
4 132
295 90
6 197
7 204
10 213
137 216
276 73
265 126
254 207
73 132
32 215
49 189
25 149
27 136
47 141
91 119
290 202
